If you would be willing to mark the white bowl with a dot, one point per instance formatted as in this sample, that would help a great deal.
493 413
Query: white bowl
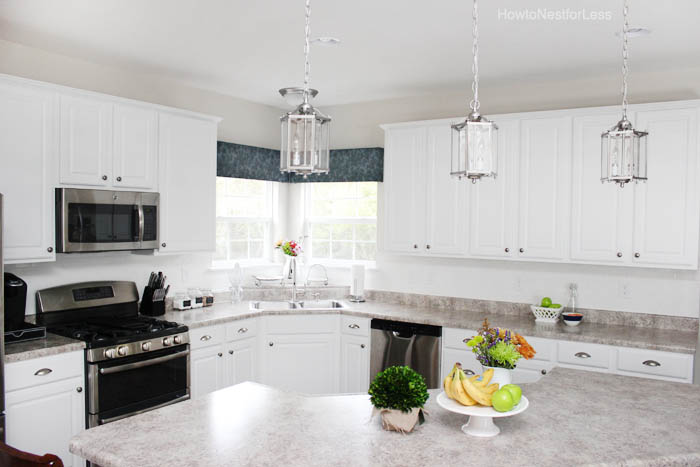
572 323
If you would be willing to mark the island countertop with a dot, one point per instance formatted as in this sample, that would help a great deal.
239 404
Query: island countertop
574 418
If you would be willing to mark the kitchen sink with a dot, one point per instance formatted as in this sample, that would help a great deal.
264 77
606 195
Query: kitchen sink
317 305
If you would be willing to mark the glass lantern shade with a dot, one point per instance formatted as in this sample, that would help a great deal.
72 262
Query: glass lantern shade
623 154
474 148
305 141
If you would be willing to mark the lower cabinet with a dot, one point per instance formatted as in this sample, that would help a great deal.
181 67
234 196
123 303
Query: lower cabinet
206 370
42 417
354 364
240 361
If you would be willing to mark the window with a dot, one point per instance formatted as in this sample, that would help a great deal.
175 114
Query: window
341 221
243 219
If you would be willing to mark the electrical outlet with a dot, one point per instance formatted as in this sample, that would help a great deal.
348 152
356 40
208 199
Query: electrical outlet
625 290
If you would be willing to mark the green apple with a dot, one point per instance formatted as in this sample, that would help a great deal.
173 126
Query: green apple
555 305
502 400
546 302
514 391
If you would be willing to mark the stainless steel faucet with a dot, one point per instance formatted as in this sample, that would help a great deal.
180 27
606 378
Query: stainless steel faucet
292 275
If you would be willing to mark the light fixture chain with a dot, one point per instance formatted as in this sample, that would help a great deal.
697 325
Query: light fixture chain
625 56
474 104
307 47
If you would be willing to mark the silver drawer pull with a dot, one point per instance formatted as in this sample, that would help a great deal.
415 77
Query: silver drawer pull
205 337
582 355
354 326
469 372
651 363
43 372
242 330
465 340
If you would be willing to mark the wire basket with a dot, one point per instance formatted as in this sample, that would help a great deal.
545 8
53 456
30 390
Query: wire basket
546 315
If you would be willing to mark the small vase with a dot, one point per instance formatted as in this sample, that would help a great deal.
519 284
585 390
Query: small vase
502 376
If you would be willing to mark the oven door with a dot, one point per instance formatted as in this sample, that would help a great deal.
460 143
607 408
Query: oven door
127 386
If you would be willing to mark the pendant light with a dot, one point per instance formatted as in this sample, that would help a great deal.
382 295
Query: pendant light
624 149
474 141
305 130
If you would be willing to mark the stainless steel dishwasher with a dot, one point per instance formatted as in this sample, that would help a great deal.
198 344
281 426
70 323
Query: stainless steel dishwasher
414 345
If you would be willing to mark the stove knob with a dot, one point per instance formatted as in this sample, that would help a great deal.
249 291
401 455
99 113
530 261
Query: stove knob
177 339
110 353
146 346
122 350
167 341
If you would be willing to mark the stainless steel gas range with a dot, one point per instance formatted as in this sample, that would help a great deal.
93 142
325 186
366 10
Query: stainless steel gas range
133 363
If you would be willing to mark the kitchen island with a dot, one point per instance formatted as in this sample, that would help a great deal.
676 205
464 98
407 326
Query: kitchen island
574 418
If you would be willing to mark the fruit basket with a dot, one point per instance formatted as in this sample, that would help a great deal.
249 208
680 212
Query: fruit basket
480 422
545 314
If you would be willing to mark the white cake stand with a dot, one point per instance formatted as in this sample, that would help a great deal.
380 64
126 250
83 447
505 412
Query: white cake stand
480 418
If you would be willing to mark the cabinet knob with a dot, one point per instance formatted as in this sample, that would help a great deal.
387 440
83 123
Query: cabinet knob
427 247
415 246
230 352
50 249
465 340
119 179
619 254
104 177
522 250
43 372
163 245
354 326
507 250
79 389
220 354
205 337
582 355
653 363
469 372
544 372
271 344
242 330
362 346
636 255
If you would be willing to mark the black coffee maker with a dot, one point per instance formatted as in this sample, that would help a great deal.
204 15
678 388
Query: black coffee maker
15 302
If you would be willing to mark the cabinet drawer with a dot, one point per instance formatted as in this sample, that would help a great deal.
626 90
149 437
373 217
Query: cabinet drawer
354 326
545 349
301 324
655 363
457 338
590 355
241 329
43 370
204 337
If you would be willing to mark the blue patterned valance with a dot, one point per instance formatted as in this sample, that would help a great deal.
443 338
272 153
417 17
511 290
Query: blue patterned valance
346 165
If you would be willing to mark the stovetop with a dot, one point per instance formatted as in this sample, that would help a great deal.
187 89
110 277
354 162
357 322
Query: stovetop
109 331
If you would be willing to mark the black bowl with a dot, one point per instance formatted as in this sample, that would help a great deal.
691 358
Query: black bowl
569 317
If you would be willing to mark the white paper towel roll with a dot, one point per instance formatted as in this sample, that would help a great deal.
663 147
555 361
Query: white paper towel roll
357 284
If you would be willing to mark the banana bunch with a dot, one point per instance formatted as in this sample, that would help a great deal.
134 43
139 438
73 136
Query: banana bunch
469 391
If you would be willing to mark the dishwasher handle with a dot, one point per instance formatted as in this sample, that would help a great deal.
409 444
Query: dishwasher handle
402 335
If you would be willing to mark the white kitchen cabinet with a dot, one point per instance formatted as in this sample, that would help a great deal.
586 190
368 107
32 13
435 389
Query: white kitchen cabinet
492 201
135 149
85 141
28 139
601 225
354 364
404 189
187 182
666 212
241 361
544 185
45 409
206 370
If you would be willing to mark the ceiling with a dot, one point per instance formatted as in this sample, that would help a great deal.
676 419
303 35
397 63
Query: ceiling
390 48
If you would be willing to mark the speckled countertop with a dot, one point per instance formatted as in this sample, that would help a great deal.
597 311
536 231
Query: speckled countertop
574 418
53 344
617 335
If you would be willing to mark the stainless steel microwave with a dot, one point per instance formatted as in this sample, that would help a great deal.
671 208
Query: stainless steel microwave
104 220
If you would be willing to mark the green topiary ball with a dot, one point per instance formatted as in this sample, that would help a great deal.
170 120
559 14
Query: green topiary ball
398 388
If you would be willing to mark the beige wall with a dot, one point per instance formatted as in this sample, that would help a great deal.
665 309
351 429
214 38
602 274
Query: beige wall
243 122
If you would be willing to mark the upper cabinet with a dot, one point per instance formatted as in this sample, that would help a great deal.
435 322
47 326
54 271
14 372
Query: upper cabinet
28 150
103 144
547 202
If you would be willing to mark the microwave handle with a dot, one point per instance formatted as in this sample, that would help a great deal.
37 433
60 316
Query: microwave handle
140 222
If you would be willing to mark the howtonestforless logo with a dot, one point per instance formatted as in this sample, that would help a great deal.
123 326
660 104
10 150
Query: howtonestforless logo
546 14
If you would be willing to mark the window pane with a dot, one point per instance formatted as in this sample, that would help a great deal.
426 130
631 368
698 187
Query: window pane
321 208
238 231
342 250
256 249
321 231
342 231
366 251
239 250
321 249
366 232
257 230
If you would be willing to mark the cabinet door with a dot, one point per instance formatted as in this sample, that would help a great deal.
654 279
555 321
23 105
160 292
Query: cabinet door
666 206
354 364
545 184
492 200
42 419
241 361
206 370
135 147
27 147
470 364
306 363
445 197
85 141
187 181
404 190
601 212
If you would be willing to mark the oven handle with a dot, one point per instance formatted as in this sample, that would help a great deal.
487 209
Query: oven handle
102 421
153 361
